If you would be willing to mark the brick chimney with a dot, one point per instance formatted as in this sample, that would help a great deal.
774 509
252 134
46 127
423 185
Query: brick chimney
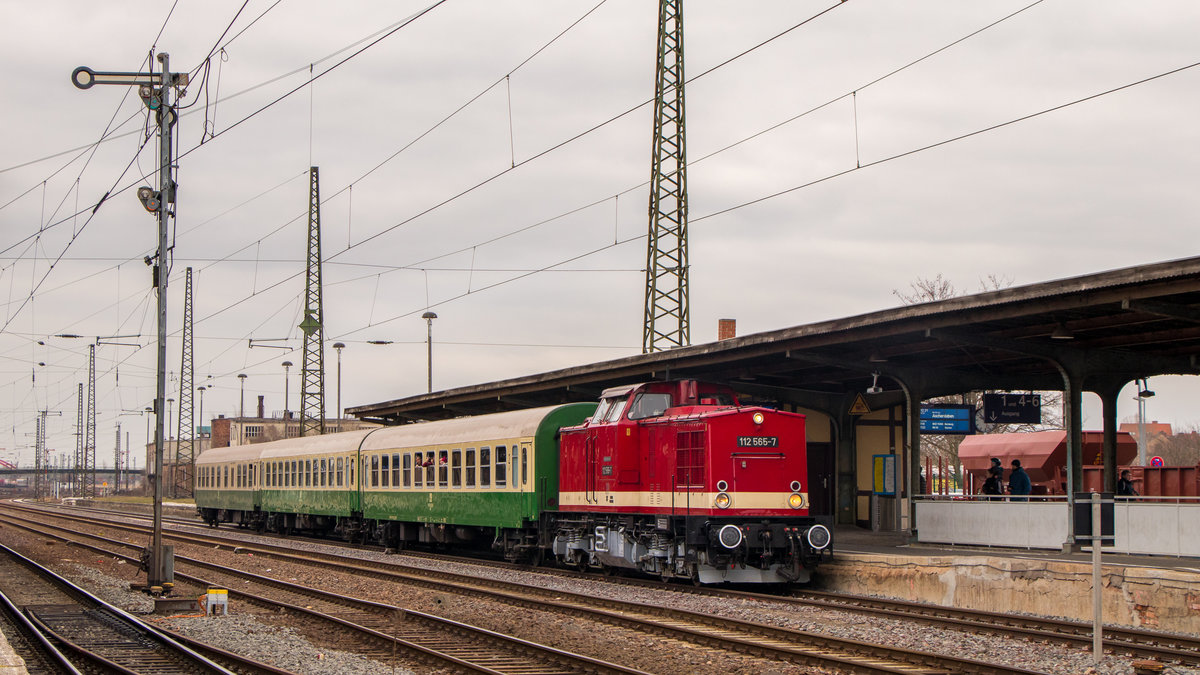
726 329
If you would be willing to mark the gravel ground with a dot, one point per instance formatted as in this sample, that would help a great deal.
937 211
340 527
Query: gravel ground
282 645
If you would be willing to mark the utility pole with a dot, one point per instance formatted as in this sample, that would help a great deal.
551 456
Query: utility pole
117 462
666 312
87 486
312 374
76 475
185 445
155 90
40 468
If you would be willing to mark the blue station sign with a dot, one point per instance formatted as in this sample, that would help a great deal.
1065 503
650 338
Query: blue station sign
947 419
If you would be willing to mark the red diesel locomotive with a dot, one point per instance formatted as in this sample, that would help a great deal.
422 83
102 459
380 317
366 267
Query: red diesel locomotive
676 479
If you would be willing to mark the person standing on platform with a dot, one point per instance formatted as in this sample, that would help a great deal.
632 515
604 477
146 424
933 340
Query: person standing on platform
991 486
1019 485
1125 484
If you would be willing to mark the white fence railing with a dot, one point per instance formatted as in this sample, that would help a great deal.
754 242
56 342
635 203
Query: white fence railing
1150 525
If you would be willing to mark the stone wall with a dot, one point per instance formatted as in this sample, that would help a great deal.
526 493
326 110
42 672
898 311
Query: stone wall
1150 598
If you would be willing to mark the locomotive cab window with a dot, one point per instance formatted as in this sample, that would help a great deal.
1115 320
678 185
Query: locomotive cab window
647 405
615 410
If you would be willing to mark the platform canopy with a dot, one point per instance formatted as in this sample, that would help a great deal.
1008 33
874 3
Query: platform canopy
1100 331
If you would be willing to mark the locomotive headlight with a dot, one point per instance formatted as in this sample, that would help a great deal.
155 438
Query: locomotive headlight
722 501
796 501
758 418
818 537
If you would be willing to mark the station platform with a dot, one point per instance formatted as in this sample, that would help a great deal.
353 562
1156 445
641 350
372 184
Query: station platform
1152 592
10 663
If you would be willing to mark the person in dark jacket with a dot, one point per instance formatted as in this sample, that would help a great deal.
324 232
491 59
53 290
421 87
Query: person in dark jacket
992 486
1125 484
1019 485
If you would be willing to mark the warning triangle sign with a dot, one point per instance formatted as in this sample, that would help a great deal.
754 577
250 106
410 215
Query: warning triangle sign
859 407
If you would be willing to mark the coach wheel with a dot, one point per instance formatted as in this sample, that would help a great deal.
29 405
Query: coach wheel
611 570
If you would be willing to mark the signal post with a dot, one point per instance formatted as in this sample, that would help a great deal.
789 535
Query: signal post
155 90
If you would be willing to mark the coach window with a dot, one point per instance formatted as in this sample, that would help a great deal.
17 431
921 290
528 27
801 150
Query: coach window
374 470
456 468
341 467
396 470
429 469
406 469
443 469
501 466
470 467
384 465
417 471
324 473
524 465
485 467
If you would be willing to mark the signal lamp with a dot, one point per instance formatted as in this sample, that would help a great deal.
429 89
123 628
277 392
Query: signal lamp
796 501
723 501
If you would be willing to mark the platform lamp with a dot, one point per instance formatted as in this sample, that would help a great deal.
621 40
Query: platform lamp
287 366
338 347
429 317
1144 393
242 405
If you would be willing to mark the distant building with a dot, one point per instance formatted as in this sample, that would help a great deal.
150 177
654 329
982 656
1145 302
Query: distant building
230 431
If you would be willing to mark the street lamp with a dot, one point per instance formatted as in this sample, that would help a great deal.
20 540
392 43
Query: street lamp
200 414
429 317
287 365
242 406
339 346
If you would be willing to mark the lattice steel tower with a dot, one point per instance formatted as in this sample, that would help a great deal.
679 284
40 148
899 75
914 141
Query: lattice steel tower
312 378
185 444
39 457
88 483
666 316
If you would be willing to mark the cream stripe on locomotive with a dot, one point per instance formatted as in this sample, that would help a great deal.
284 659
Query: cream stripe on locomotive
697 500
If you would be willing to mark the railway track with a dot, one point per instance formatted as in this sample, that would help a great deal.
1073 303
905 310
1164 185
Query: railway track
1138 643
70 631
375 630
722 633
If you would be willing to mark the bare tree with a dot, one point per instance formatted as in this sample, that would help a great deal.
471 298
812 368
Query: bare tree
1180 449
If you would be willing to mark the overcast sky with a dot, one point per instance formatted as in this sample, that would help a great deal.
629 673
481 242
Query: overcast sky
520 219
